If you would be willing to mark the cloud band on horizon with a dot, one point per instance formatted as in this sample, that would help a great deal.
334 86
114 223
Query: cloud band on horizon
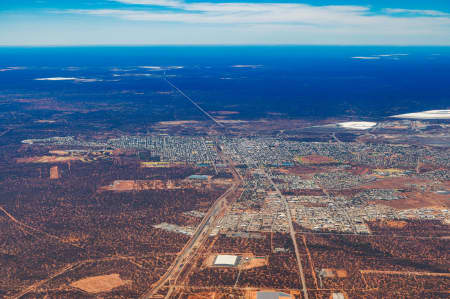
173 21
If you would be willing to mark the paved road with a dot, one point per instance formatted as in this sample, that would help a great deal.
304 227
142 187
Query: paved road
292 233
335 137
201 233
195 104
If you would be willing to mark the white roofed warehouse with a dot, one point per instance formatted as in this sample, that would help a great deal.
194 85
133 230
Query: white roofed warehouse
226 260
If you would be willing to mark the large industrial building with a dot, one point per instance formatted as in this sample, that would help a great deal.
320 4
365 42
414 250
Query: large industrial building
273 295
226 260
338 296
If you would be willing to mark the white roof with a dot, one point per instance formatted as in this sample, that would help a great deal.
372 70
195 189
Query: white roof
338 296
226 260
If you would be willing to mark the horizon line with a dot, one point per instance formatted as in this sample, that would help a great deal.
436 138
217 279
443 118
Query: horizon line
218 45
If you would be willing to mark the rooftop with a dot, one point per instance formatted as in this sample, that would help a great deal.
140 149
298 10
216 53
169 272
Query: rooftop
272 295
226 260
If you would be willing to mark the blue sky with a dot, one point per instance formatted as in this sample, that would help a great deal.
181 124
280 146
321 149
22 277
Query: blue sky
163 22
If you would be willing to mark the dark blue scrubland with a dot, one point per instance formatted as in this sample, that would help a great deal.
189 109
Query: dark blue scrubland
279 81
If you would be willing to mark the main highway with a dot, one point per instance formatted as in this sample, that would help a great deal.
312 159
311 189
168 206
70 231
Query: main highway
293 236
194 103
208 222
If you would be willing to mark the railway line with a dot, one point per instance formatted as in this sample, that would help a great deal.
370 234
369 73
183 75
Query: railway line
201 234
193 244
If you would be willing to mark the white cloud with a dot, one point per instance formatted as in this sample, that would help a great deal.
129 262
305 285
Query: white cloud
285 23
366 57
238 13
170 3
159 68
153 68
250 66
68 79
391 55
12 68
354 17
416 11
56 79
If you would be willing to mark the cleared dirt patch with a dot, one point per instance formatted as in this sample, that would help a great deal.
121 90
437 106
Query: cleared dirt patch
139 185
49 159
250 262
101 283
59 152
209 261
161 164
54 173
315 159
328 273
132 185
332 273
393 224
177 122
341 273
209 295
396 183
305 171
417 200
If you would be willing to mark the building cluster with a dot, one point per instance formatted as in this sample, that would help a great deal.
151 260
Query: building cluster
185 230
167 148
261 208
425 214
261 151
340 179
195 213
324 213
293 182
264 151
171 148
337 215
376 194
